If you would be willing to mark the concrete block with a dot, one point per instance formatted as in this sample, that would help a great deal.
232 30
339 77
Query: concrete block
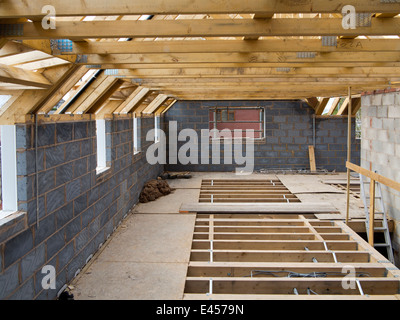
397 98
25 162
66 255
376 99
280 119
366 101
80 167
55 243
388 148
94 227
394 111
64 173
55 199
46 228
55 156
300 140
80 130
377 123
382 111
23 136
64 132
46 181
25 292
64 215
17 247
9 281
382 135
285 140
397 151
72 151
82 239
388 99
73 228
73 190
46 135
33 261
371 111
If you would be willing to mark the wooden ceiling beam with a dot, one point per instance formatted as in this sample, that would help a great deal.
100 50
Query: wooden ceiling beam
254 58
23 77
260 16
33 9
233 46
330 72
165 82
203 28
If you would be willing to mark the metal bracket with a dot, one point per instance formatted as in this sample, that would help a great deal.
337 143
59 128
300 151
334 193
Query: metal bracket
81 58
306 55
383 261
64 45
329 41
283 70
363 19
111 72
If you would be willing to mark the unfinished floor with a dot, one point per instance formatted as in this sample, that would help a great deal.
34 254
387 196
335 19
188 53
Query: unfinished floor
149 254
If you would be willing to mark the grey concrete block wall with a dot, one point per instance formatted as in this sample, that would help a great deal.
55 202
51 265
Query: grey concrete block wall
289 132
380 148
78 209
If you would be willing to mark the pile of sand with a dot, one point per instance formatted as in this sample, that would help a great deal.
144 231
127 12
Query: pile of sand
154 189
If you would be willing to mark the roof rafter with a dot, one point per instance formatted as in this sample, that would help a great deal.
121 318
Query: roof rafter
23 77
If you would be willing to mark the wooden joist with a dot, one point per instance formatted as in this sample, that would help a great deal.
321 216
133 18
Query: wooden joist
204 28
258 207
236 191
230 257
20 8
234 46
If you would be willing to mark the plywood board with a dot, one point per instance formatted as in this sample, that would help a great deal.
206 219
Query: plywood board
306 184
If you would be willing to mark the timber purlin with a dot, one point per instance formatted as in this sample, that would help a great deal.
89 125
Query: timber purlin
265 256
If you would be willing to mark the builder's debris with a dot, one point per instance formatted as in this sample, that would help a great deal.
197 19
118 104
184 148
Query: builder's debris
154 189
295 171
179 175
